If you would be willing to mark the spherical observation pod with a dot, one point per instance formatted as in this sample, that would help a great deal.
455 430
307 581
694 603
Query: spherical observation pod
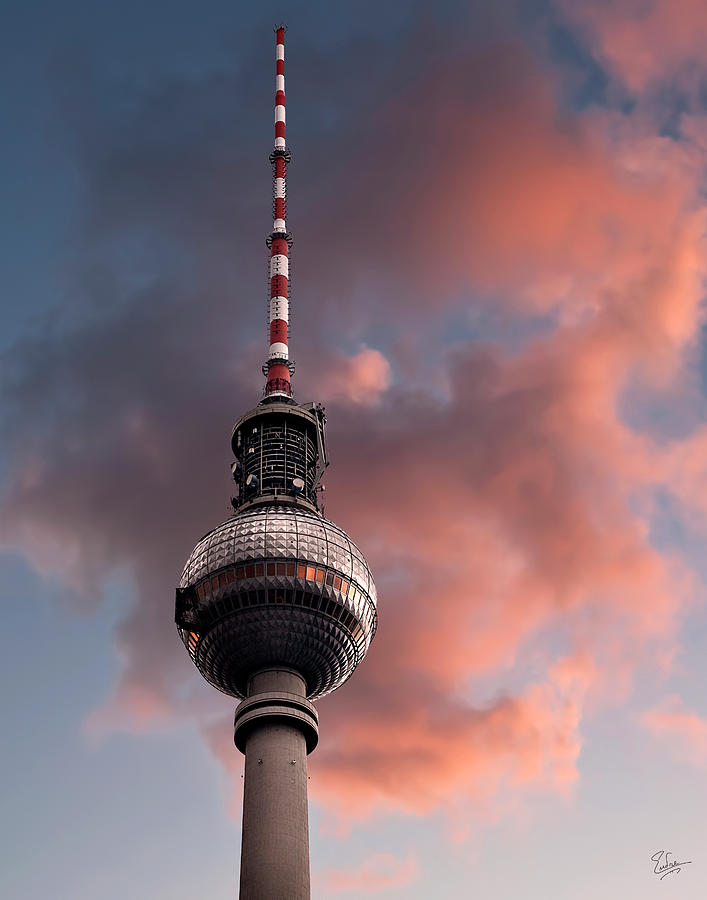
276 584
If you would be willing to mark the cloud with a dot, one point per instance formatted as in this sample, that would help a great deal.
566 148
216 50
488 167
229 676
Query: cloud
376 873
417 750
504 503
682 729
643 41
136 708
503 516
359 379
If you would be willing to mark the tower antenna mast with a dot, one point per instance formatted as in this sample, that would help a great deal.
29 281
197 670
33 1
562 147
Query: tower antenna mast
278 367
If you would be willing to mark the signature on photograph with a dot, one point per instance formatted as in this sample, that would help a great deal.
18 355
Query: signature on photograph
664 865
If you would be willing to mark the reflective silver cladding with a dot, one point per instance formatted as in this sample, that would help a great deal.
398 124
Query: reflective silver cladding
277 584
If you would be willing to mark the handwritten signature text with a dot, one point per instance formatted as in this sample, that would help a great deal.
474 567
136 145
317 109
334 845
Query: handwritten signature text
664 865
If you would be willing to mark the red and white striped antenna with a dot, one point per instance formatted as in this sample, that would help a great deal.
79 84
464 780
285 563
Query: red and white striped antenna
278 367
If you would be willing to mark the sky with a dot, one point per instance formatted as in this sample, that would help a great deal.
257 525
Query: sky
498 284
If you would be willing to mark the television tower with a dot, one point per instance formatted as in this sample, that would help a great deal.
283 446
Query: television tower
277 605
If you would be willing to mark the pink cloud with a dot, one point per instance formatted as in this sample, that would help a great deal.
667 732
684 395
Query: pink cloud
418 749
682 729
513 507
643 41
135 708
360 379
376 873
543 210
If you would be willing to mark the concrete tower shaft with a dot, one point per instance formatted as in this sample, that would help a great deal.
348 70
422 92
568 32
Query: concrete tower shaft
276 727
